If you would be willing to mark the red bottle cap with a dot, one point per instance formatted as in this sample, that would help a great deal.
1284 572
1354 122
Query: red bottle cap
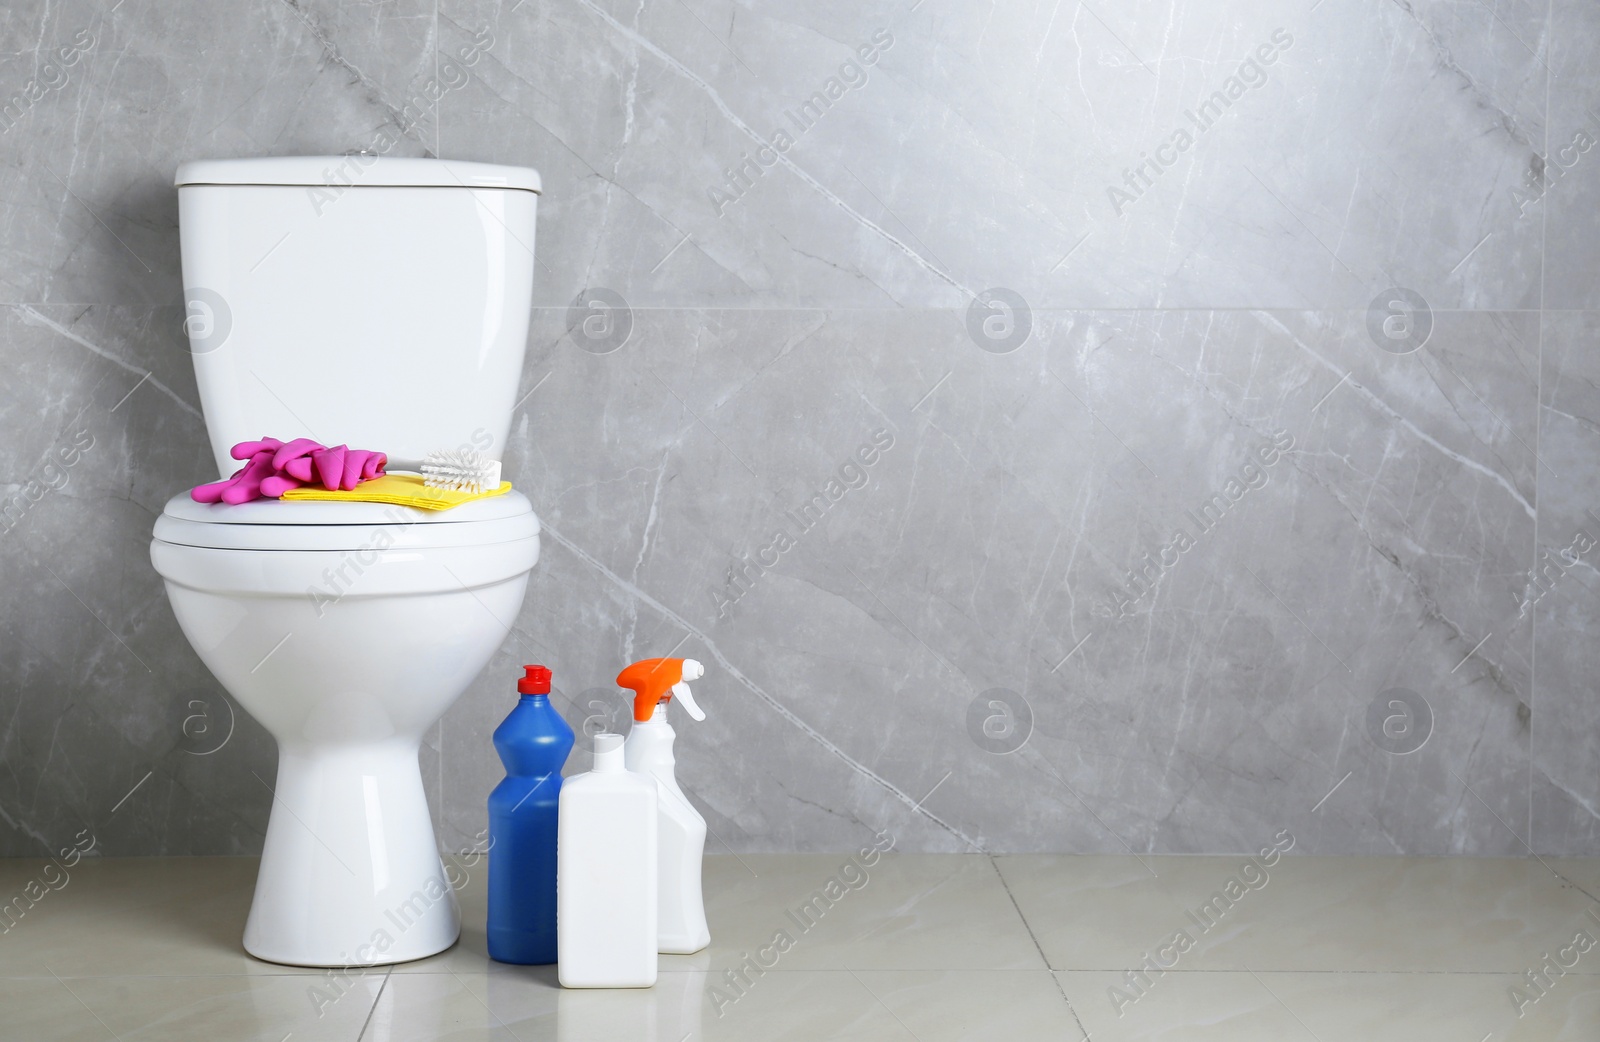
536 682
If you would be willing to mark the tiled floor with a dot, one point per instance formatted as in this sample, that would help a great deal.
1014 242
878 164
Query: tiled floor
925 947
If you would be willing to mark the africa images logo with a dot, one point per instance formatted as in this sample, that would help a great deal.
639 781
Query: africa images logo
852 75
1251 75
1143 577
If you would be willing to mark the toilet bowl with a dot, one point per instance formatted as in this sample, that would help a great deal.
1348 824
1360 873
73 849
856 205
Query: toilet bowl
347 671
390 314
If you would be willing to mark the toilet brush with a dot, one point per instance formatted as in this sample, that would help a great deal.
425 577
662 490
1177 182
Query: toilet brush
459 470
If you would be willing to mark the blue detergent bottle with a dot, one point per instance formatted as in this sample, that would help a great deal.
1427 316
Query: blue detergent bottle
533 743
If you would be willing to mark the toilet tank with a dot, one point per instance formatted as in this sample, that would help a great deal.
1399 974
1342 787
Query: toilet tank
375 302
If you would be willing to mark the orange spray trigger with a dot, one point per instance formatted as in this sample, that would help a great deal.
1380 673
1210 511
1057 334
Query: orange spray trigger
656 680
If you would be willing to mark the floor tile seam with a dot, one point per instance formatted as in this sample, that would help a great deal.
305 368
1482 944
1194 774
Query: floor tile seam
798 971
776 971
367 1020
1021 916
309 973
1045 959
478 974
555 306
1176 971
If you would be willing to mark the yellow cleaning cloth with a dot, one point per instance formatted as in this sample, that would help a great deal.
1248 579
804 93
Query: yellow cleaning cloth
406 490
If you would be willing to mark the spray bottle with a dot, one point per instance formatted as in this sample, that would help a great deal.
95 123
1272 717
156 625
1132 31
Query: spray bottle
682 831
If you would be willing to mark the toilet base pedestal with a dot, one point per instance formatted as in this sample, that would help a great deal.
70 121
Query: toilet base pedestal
350 872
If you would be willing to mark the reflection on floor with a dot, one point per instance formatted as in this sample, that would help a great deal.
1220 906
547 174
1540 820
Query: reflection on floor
925 948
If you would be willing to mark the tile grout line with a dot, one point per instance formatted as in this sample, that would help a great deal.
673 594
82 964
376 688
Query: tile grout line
856 977
941 968
1538 426
1037 946
84 1004
486 1008
374 1008
954 309
438 106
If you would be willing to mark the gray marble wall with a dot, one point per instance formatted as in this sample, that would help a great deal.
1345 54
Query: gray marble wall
1065 272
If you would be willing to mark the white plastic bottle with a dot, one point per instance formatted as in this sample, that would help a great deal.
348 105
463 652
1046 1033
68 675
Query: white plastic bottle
682 834
606 890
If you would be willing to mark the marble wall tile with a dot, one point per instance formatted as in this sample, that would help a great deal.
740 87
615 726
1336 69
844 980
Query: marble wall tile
103 697
1564 192
1565 595
980 148
90 214
986 545
878 669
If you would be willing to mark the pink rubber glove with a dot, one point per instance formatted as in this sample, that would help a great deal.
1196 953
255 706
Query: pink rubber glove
301 469
212 493
330 466
244 486
248 449
294 450
277 485
361 465
275 467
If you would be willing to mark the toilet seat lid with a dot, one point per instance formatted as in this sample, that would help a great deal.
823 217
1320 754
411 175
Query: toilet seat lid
270 524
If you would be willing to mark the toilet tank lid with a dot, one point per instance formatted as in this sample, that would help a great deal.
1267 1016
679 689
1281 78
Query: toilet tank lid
364 170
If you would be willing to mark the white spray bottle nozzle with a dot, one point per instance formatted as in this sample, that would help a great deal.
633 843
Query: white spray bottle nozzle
680 691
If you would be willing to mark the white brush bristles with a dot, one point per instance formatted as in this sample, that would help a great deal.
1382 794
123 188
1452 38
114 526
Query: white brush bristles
461 471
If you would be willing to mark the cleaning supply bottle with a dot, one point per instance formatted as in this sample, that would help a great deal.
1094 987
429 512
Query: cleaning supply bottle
682 843
533 743
606 874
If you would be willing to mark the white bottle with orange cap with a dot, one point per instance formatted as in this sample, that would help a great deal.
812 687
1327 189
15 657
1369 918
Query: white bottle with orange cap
681 837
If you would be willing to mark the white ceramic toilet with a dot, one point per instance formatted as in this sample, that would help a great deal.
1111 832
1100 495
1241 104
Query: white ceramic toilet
388 313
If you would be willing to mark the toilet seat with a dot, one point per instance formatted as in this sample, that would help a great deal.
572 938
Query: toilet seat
270 524
272 548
